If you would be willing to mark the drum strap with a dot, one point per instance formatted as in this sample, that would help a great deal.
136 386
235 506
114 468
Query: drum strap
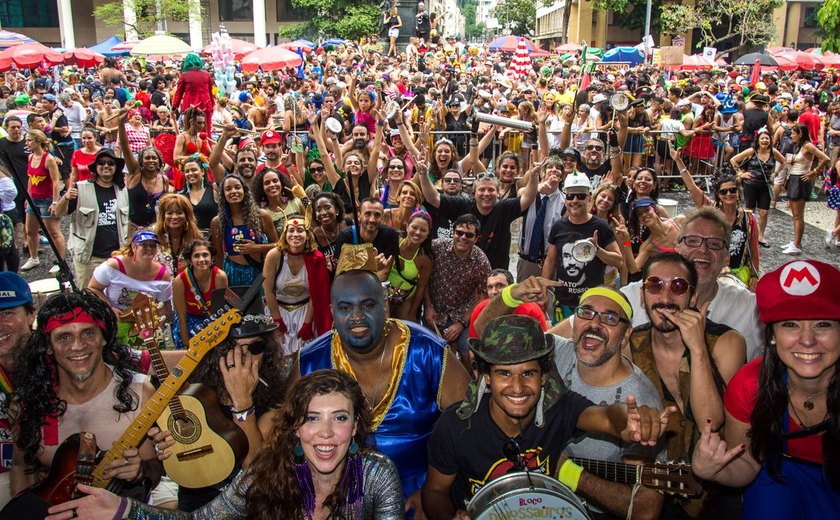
5 383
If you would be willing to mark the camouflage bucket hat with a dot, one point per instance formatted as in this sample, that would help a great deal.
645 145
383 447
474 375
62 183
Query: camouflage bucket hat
512 339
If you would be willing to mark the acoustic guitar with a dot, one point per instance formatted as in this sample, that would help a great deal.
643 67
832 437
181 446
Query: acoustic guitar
209 446
667 478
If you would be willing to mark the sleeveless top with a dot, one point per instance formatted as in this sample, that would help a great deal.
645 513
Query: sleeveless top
386 192
195 307
120 288
206 208
243 232
682 425
293 207
404 282
664 249
291 289
801 164
41 185
761 170
739 240
418 367
142 205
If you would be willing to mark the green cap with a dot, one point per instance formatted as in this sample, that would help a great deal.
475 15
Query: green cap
512 339
22 99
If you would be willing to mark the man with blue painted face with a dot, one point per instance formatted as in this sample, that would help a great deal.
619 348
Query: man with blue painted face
407 374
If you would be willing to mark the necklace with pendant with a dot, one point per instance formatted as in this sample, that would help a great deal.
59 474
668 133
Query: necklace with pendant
808 404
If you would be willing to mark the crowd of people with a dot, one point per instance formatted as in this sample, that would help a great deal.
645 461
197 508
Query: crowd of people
394 350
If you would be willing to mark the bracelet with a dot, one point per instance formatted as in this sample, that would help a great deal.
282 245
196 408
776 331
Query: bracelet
569 474
121 510
684 170
508 299
627 243
462 322
242 416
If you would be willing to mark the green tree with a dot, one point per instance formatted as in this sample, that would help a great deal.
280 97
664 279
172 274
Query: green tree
829 18
518 16
113 13
729 25
471 28
343 18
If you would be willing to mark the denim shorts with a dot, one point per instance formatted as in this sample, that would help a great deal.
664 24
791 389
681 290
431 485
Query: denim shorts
43 206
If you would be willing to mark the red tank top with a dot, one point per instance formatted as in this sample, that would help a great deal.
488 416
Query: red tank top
194 306
40 182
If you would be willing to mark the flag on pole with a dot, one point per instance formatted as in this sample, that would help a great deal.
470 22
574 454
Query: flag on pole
756 73
300 73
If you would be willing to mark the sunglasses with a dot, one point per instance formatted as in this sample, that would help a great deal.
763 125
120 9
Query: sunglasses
655 285
713 243
468 234
576 196
396 167
106 163
607 318
451 180
317 169
257 347
593 147
728 191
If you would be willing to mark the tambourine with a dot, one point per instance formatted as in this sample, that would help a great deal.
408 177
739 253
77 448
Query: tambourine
619 101
583 251
333 125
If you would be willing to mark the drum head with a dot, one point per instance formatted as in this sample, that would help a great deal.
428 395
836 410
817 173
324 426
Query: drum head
583 251
525 495
333 125
44 286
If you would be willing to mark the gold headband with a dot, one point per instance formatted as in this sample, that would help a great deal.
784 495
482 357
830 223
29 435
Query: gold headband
613 295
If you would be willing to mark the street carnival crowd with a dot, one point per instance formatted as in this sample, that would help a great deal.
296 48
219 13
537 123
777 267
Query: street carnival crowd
396 361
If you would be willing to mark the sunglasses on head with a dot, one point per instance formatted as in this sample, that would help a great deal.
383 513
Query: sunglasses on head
462 233
655 285
728 191
576 196
485 175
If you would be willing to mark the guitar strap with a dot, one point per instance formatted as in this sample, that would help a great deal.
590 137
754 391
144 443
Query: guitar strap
196 289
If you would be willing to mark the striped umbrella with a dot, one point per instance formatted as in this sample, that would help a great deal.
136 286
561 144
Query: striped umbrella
29 56
241 48
125 46
510 43
520 65
12 39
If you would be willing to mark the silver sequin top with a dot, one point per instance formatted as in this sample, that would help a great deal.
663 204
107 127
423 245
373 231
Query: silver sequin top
382 500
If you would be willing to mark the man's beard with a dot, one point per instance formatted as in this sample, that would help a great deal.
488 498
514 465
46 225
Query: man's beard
359 144
666 325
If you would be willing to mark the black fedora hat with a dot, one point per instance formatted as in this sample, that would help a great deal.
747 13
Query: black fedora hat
107 152
255 321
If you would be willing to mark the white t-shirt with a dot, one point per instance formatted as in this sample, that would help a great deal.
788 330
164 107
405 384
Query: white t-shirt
669 127
732 306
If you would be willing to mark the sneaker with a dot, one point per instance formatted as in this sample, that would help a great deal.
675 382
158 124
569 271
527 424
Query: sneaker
43 240
837 242
54 269
30 264
789 244
829 240
792 250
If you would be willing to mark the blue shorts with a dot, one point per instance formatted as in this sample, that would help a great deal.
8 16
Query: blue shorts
43 206
635 143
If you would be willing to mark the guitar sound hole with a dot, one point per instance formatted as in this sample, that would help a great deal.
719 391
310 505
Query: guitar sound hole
185 428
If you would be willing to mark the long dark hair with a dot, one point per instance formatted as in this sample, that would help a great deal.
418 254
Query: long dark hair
274 491
248 209
804 136
767 443
37 383
260 196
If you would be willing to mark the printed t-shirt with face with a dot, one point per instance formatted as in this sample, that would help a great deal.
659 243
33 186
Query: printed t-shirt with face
576 276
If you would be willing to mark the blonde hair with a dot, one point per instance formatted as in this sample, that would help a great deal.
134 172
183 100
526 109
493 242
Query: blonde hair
309 247
40 138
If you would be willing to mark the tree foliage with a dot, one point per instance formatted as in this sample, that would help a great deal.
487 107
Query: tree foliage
518 16
113 14
472 29
829 18
729 25
350 19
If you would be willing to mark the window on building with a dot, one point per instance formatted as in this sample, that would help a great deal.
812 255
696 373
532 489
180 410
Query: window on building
809 17
29 13
236 10
286 12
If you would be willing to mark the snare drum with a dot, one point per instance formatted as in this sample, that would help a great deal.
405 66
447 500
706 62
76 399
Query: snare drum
522 495
43 289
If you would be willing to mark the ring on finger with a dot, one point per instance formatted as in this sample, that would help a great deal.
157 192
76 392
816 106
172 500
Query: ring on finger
158 450
125 462
231 365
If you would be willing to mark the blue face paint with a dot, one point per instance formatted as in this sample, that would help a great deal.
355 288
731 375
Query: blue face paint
358 310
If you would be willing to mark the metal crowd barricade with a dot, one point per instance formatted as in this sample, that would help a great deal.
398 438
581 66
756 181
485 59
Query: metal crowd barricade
704 171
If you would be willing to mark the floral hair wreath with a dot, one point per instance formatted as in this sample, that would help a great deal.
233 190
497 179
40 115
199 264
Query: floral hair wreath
198 157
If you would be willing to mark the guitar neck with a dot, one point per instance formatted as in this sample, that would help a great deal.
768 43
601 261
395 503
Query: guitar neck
136 432
612 471
161 372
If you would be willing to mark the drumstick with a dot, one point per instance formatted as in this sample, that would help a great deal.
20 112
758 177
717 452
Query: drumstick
240 130
118 114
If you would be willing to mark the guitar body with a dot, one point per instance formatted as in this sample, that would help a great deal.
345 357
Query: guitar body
60 484
208 446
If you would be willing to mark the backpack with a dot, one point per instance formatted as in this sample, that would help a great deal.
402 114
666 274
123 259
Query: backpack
786 143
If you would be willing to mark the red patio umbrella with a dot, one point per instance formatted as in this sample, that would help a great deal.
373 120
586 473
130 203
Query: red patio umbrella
568 47
786 62
294 46
241 48
83 57
696 62
270 58
125 46
806 61
29 56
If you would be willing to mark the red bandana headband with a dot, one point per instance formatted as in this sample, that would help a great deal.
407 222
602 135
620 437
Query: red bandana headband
77 315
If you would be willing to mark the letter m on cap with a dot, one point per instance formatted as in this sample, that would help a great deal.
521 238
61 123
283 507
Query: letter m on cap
799 279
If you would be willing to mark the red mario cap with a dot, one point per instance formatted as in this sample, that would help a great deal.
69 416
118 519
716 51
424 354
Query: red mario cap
799 290
270 137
